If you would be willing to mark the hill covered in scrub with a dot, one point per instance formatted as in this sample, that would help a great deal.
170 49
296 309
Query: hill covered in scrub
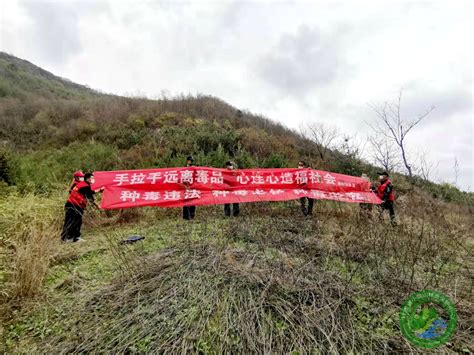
270 281
22 79
69 126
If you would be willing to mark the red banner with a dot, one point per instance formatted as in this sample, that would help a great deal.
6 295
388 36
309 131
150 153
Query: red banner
189 186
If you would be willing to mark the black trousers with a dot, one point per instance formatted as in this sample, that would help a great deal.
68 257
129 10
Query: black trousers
72 223
388 205
228 209
307 209
189 212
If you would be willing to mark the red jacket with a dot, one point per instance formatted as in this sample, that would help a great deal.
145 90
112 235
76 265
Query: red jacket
385 191
76 198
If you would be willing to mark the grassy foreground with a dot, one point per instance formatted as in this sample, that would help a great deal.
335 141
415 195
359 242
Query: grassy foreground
269 281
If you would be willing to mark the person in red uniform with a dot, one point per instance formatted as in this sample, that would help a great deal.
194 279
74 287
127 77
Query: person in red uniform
76 203
385 193
78 176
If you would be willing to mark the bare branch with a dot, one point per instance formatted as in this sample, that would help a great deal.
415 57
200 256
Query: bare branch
394 126
323 135
456 171
418 120
425 166
384 153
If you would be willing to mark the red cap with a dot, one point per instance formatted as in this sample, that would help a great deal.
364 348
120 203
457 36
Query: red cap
78 174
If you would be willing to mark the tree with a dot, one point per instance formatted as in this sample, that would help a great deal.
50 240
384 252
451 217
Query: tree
324 136
393 126
384 153
350 161
456 171
352 146
425 166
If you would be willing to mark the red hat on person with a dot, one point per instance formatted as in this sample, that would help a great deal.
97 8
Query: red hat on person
78 174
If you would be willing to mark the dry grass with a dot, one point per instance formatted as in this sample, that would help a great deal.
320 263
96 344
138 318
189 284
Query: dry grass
212 299
268 282
269 285
30 227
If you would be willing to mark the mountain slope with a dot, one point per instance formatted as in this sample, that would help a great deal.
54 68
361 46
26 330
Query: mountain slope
68 126
40 112
20 78
269 281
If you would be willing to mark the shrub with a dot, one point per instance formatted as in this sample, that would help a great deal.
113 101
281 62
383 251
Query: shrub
5 169
57 165
275 161
449 193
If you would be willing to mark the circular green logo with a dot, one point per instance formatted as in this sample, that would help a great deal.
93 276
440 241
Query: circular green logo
428 319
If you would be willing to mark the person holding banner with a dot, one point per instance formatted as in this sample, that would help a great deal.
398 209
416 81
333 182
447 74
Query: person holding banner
235 209
78 176
189 212
385 193
76 203
200 186
306 208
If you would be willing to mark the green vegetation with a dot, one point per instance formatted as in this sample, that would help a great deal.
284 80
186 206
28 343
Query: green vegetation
21 79
70 127
267 282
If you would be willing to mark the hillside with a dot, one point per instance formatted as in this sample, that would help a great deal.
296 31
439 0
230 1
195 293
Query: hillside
269 281
119 132
22 79
67 126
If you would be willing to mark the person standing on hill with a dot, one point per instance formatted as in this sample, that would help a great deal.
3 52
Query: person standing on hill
78 176
386 194
76 203
306 208
235 209
189 212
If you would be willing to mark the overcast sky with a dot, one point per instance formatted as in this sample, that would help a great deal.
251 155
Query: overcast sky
292 61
